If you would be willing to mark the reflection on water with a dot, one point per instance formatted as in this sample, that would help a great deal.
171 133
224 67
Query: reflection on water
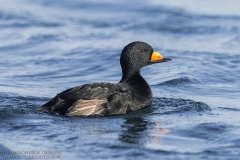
137 130
157 131
133 130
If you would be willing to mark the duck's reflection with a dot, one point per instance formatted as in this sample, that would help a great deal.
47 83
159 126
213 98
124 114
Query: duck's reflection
137 130
133 130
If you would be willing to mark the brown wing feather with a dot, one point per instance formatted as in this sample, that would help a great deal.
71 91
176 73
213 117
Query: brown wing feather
87 107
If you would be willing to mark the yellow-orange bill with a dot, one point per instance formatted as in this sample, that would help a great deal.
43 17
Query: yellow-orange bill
156 56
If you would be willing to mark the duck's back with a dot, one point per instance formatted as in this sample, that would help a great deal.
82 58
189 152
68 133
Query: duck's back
89 91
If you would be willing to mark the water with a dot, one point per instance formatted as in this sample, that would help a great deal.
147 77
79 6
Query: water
49 46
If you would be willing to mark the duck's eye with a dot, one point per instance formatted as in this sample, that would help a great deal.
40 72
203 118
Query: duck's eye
143 50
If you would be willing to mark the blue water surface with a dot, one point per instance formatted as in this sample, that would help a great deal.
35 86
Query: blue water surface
49 46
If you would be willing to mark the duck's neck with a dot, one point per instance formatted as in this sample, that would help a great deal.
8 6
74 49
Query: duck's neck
130 75
140 90
137 82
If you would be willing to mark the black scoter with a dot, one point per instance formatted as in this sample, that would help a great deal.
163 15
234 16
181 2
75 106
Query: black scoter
105 99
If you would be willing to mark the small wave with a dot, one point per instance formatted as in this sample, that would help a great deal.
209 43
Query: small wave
44 38
230 109
177 81
13 104
173 105
205 130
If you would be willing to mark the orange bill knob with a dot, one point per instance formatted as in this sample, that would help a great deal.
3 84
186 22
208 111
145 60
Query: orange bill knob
156 56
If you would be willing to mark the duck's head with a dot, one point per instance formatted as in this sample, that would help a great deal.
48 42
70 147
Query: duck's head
137 55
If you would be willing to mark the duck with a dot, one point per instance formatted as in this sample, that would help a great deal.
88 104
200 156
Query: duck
130 94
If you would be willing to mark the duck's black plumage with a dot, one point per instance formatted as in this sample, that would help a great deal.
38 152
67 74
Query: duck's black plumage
99 99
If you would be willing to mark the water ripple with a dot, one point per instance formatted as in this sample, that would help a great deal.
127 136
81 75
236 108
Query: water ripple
172 105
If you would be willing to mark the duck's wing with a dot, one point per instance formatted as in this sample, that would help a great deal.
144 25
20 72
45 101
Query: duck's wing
84 99
94 107
114 104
